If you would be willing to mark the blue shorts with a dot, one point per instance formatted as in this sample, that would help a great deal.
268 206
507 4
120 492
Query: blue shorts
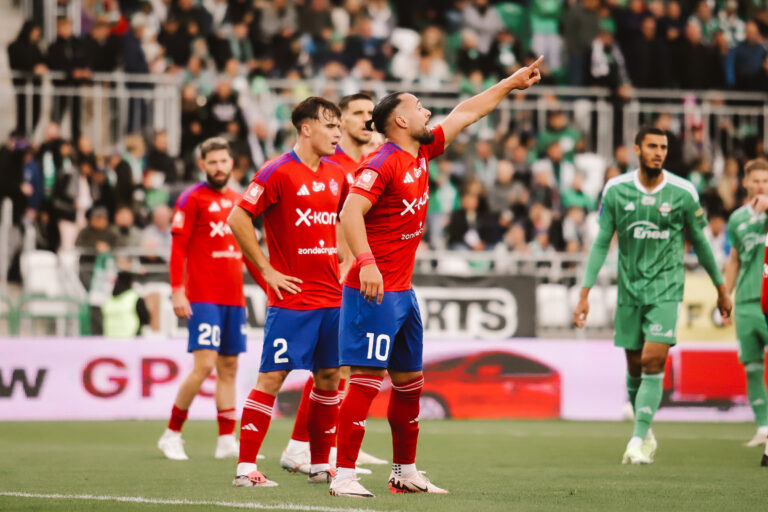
217 327
386 335
300 339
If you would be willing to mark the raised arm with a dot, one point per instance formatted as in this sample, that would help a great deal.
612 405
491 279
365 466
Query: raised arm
477 107
352 220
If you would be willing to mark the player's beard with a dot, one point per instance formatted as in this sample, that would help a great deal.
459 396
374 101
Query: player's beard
425 137
651 172
217 183
359 140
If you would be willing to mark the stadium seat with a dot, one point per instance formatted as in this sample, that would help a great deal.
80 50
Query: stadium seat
552 306
168 324
40 273
454 266
592 166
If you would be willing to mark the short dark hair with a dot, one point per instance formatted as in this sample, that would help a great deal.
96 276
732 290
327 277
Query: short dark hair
310 109
213 144
758 164
382 111
648 130
346 100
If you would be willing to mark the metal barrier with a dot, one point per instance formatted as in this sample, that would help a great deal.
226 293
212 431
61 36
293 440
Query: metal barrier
111 105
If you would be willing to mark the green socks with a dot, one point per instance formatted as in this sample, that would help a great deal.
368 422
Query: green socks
647 402
758 398
633 385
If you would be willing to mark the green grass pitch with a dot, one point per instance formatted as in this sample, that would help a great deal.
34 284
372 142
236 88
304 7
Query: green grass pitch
487 465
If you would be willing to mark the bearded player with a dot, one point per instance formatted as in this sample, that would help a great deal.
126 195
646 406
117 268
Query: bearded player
206 272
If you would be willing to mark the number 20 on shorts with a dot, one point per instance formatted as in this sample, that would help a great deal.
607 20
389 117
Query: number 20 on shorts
381 342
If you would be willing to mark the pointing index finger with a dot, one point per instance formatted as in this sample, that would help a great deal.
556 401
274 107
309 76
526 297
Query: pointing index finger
536 63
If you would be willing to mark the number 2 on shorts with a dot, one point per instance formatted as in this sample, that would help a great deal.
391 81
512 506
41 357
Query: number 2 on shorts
283 344
380 340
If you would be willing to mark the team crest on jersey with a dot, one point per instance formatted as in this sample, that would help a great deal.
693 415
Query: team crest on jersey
665 209
366 179
422 167
253 193
318 186
178 219
648 201
334 186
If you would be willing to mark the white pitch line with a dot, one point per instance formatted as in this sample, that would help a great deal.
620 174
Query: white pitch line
139 499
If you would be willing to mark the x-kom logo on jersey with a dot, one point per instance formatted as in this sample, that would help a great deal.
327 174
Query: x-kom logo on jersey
416 204
309 217
220 228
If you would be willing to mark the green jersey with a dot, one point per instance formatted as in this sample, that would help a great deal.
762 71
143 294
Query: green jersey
651 226
746 230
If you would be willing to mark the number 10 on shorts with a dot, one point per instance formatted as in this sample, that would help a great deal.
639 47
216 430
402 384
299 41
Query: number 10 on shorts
381 349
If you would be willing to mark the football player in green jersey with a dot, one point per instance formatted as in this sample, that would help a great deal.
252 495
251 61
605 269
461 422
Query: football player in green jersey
651 211
744 270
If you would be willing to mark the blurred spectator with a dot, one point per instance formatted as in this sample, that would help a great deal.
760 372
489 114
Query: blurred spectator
124 312
187 13
717 236
66 190
621 159
192 118
706 22
749 59
176 41
444 198
647 61
574 196
695 61
558 130
126 234
135 61
96 237
484 21
545 29
67 55
555 164
607 67
470 59
222 110
472 226
158 158
580 27
364 45
515 239
573 229
483 163
504 56
25 56
240 47
382 17
544 191
731 24
156 237
500 193
102 48
12 162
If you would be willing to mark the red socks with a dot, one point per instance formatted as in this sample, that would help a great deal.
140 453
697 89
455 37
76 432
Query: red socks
403 416
354 410
342 386
300 430
178 417
321 421
226 419
257 413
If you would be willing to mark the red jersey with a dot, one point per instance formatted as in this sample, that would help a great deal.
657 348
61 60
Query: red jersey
347 163
300 208
202 238
398 186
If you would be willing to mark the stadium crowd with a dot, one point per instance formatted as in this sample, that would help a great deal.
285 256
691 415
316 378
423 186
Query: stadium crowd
519 187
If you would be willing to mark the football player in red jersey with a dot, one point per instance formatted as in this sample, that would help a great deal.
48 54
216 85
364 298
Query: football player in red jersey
299 195
356 110
206 272
380 326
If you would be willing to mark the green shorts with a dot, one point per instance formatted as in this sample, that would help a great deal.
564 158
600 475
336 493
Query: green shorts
751 331
653 322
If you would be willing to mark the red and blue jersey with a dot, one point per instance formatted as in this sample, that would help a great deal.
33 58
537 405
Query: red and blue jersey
300 208
398 186
347 163
203 240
